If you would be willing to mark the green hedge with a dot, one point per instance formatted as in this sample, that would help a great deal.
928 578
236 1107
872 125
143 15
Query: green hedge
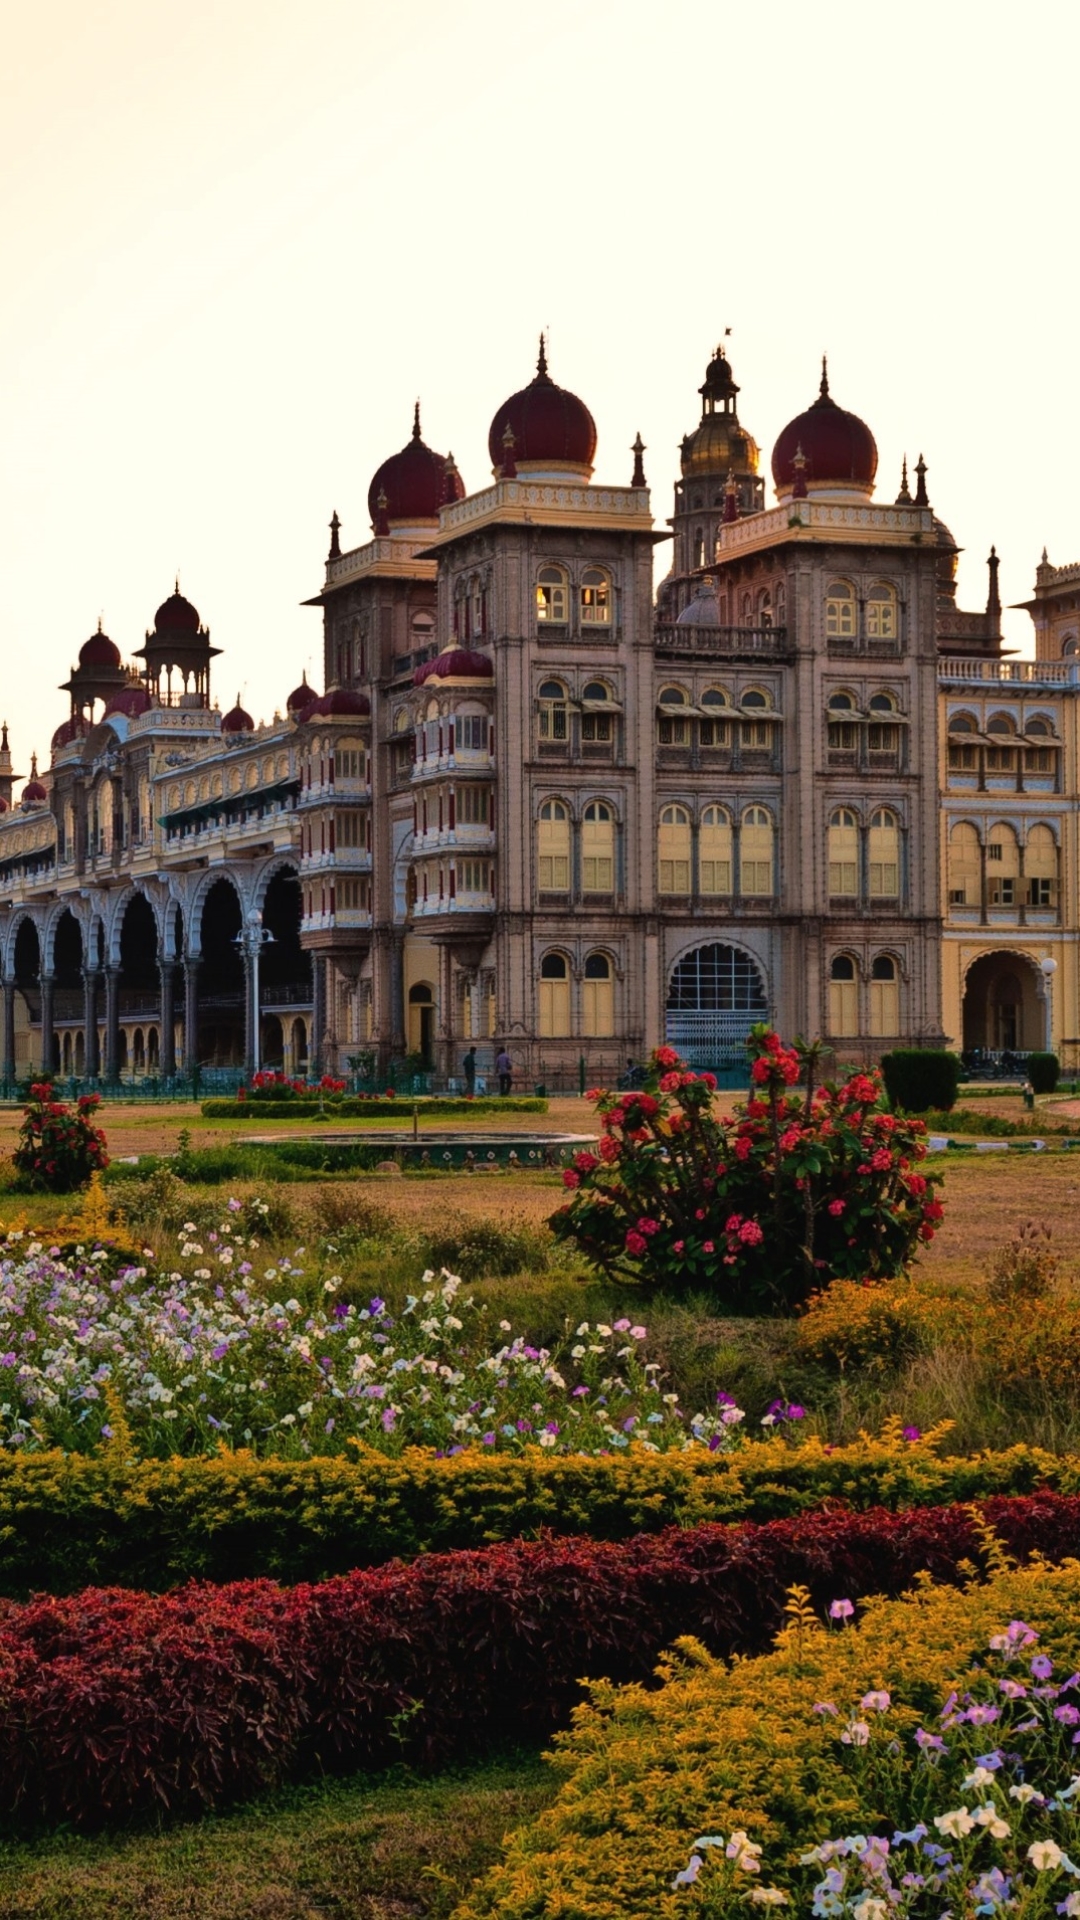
917 1079
352 1107
1043 1070
71 1520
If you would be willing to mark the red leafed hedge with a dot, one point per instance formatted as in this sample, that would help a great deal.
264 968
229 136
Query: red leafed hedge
118 1704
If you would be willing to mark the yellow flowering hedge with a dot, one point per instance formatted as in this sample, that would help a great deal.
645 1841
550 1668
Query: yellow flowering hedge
877 1328
70 1520
721 1747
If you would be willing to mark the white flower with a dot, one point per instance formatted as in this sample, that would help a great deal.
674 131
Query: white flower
880 1702
955 1824
990 1818
855 1734
1023 1793
1045 1855
870 1908
768 1897
981 1777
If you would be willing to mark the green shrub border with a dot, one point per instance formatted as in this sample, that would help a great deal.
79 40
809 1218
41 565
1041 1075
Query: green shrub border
353 1107
69 1521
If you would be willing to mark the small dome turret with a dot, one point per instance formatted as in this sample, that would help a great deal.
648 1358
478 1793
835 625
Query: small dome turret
838 448
237 720
550 430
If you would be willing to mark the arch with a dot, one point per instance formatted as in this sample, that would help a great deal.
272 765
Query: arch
884 701
136 944
1004 1002
758 699
1002 865
553 595
714 851
553 847
963 723
299 1046
284 962
1041 726
598 998
1041 866
840 610
883 855
881 611
884 997
66 942
25 951
553 723
138 1052
716 992
597 847
673 851
965 865
757 853
843 854
421 1020
153 1051
594 597
218 919
842 701
1002 723
553 999
844 996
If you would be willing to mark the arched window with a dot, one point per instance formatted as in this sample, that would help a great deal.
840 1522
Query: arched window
1040 758
597 999
747 610
764 608
552 596
673 725
839 610
598 848
963 753
673 851
884 855
554 721
714 852
1003 866
1040 867
1001 758
1039 728
715 728
883 734
554 997
843 996
699 547
553 848
961 723
756 853
595 598
597 718
841 702
884 997
843 854
843 732
965 866
1070 644
781 605
756 733
881 622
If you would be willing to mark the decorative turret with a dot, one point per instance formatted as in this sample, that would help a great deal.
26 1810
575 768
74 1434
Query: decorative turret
7 773
180 644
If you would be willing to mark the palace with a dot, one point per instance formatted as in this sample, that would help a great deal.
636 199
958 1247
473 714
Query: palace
541 805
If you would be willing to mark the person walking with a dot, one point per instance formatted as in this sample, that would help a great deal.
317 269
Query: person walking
469 1066
504 1067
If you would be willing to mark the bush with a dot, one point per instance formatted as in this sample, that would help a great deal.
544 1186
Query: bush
70 1519
367 1106
59 1147
1043 1070
440 1660
917 1079
719 1748
759 1210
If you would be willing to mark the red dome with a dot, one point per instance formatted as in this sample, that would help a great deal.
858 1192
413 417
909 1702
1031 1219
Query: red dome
416 482
176 615
340 701
130 700
34 791
551 427
457 663
301 697
65 734
838 447
237 721
99 651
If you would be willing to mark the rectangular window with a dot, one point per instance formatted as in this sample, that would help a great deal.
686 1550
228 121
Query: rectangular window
596 726
472 876
884 879
757 733
673 731
350 764
1001 759
1003 892
883 737
553 723
714 733
553 872
674 876
1040 893
472 806
472 732
716 876
353 895
963 759
958 897
352 829
597 873
843 736
843 879
1039 759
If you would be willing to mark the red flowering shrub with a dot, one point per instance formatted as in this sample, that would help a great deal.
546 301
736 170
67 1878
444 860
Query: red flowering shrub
796 1189
277 1086
59 1146
119 1704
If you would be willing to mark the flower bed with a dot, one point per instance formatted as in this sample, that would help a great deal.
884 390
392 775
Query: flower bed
449 1656
876 1733
66 1520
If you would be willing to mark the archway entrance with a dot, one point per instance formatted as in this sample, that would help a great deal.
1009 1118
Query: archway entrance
715 996
422 1021
221 980
1004 1007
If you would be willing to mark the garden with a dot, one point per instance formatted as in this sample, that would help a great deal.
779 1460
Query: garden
684 1528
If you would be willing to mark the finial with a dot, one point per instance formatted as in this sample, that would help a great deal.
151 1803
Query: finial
993 598
100 628
1045 558
508 470
176 582
541 364
731 499
798 490
33 766
416 421
824 388
903 498
921 498
450 475
638 450
3 738
335 543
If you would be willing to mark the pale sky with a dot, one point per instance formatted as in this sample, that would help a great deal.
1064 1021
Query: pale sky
239 239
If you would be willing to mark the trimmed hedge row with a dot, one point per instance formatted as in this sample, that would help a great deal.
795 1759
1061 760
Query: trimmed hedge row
71 1519
121 1704
375 1107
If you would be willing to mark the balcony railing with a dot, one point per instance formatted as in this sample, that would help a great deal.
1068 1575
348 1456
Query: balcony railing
722 643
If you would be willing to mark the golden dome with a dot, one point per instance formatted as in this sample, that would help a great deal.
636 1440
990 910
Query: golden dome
717 444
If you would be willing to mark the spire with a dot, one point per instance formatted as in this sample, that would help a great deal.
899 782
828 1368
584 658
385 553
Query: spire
450 474
731 500
823 390
541 364
993 598
335 544
100 628
416 421
921 499
508 471
903 498
4 748
33 766
382 524
638 450
798 491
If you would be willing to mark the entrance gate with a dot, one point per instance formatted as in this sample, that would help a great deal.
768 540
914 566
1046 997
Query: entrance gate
715 997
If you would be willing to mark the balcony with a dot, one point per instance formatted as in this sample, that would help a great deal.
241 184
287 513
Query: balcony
722 643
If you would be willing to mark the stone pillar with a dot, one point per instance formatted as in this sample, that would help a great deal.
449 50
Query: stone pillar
444 1061
397 995
191 1013
9 1031
249 1013
48 1036
167 1049
112 1025
90 991
318 1015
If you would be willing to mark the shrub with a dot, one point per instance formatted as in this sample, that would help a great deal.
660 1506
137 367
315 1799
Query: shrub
917 1079
479 1249
1043 1070
438 1660
1025 1268
59 1146
66 1520
748 1747
367 1106
757 1210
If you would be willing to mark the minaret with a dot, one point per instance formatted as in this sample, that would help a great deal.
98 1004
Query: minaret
7 772
716 455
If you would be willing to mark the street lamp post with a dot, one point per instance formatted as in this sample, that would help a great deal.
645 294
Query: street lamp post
251 940
1048 968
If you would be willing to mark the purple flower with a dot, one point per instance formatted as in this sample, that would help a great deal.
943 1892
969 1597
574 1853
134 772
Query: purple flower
912 1433
579 1393
489 1440
929 1742
219 1352
388 1419
8 1359
1042 1667
841 1610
